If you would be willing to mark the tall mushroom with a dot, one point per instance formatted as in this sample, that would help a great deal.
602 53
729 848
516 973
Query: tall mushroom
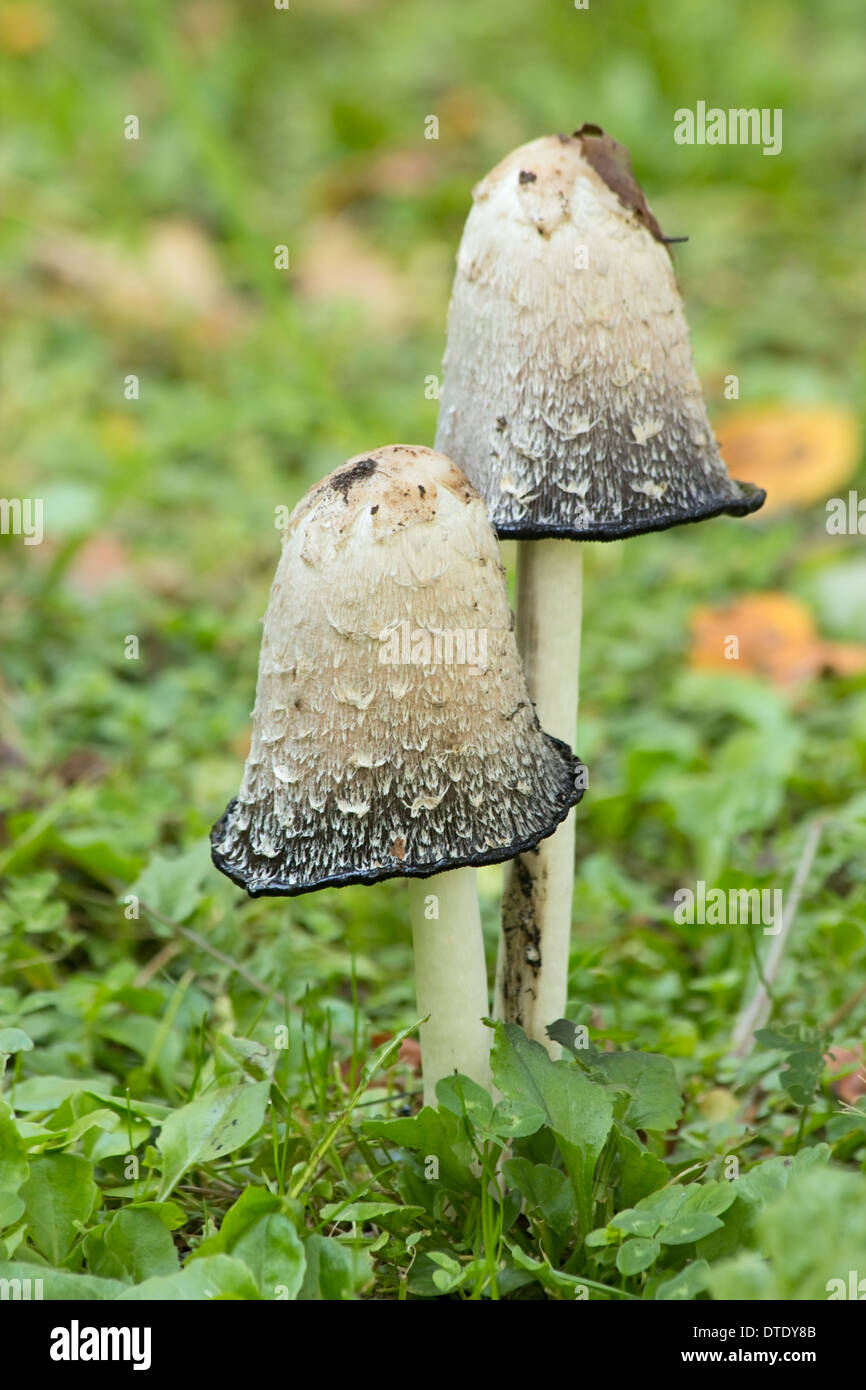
571 401
393 735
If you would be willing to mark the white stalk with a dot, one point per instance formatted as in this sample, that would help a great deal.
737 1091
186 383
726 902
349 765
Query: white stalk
532 969
450 978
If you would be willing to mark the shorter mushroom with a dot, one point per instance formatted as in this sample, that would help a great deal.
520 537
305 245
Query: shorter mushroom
393 735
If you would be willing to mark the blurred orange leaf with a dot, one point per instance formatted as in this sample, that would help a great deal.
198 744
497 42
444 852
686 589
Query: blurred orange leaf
771 635
24 28
800 454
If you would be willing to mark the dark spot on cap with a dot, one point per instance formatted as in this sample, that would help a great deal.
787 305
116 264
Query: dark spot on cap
345 481
526 176
422 489
611 162
501 422
373 510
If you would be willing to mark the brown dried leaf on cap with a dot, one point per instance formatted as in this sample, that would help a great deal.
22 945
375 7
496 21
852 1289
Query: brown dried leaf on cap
612 162
570 394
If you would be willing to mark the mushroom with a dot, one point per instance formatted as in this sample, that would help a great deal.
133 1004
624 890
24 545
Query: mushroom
393 735
571 401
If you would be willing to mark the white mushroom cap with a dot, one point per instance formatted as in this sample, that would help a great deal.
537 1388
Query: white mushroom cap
570 396
375 752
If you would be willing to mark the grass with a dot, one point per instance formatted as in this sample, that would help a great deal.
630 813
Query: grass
208 1089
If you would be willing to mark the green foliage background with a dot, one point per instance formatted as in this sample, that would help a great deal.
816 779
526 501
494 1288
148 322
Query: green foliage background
154 1037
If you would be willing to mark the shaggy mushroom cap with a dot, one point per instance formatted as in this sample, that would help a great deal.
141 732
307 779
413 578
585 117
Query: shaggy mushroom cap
570 395
392 733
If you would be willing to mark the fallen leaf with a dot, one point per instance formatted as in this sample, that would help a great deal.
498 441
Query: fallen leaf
174 281
398 172
410 1055
799 454
80 766
164 575
846 1067
100 563
409 1051
337 265
183 266
11 757
24 28
771 635
461 112
844 658
401 171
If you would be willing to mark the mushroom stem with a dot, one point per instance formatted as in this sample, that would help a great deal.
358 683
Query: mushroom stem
451 978
532 969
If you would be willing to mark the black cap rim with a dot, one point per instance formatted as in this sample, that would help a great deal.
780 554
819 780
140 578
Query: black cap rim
566 799
752 500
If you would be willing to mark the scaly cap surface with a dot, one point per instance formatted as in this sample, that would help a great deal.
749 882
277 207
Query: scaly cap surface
376 753
570 396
